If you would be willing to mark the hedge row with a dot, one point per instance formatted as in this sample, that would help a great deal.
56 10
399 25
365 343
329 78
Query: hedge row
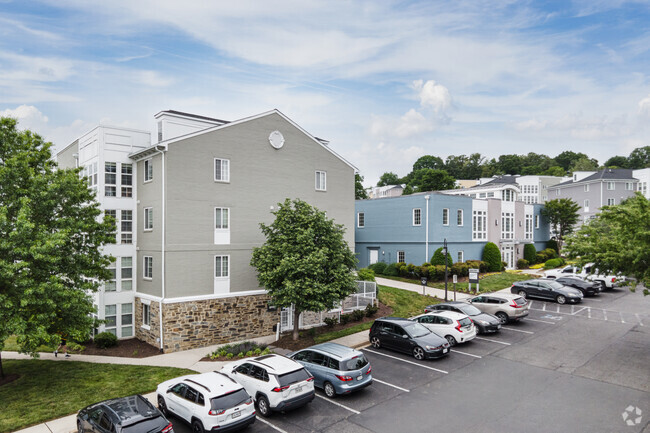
432 272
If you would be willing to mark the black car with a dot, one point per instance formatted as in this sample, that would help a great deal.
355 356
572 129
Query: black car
404 335
485 323
588 288
544 288
133 414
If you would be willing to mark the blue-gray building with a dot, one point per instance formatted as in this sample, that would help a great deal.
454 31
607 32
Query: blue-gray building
410 228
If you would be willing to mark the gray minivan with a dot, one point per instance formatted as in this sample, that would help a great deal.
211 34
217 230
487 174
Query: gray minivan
337 369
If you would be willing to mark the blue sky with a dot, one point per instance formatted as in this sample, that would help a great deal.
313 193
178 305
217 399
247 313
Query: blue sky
385 82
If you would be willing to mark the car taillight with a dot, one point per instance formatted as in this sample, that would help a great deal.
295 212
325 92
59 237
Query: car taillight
458 327
280 389
514 305
216 412
168 429
343 378
310 379
249 402
369 370
613 279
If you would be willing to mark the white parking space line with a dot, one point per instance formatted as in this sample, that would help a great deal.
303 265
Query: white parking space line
507 328
408 362
259 418
593 300
465 353
558 309
573 313
639 319
605 314
374 379
589 313
541 321
621 314
543 306
493 341
338 404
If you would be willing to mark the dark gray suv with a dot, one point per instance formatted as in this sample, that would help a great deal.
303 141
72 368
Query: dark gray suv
404 335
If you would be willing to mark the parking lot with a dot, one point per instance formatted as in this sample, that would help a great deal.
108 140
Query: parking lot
564 368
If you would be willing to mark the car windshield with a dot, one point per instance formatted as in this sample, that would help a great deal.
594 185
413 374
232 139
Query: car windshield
147 424
466 321
416 330
356 363
229 400
470 310
293 377
554 285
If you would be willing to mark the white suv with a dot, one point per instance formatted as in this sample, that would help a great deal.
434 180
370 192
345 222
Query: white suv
276 382
208 401
455 327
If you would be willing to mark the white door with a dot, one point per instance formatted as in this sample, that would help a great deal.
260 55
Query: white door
508 256
374 256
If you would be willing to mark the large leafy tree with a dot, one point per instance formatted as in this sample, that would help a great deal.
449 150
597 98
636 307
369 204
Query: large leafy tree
388 178
428 179
616 162
617 240
359 191
305 261
51 235
562 215
429 161
639 158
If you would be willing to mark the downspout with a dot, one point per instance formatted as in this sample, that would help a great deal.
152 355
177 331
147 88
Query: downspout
426 236
162 248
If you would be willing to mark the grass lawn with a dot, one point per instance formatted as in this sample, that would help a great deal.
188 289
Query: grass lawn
12 346
488 283
48 390
403 302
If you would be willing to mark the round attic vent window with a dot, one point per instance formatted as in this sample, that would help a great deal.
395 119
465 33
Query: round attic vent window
276 139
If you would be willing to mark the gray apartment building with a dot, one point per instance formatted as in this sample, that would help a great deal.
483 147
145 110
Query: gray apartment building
200 194
593 190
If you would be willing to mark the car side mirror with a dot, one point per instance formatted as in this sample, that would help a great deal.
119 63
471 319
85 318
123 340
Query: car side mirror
405 336
169 390
234 372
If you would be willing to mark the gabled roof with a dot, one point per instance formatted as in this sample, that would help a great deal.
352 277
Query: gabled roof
502 180
607 174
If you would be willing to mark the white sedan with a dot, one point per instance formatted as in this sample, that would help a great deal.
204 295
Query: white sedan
455 327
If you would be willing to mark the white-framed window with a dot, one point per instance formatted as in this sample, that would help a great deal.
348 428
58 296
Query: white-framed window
557 191
417 217
111 284
361 220
482 195
126 227
127 320
127 180
160 134
90 172
586 203
401 257
611 201
321 181
586 187
490 194
148 170
611 186
110 315
445 217
221 170
508 195
507 225
459 217
221 274
479 224
461 256
536 221
528 230
113 213
110 179
148 218
126 273
146 315
221 226
629 186
147 268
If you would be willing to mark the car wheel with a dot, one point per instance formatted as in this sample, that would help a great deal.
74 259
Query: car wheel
329 390
560 299
263 406
375 342
451 340
162 406
80 427
522 293
601 286
197 427
418 353
503 317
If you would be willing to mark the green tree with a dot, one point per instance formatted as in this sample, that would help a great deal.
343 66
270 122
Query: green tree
492 256
428 179
639 158
359 191
305 261
530 253
562 215
585 163
50 241
510 164
616 162
617 240
429 161
388 178
567 158
439 259
556 170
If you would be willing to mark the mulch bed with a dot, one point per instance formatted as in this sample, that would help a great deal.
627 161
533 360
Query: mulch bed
8 378
131 348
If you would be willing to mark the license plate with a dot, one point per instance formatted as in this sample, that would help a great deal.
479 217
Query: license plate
359 377
445 350
298 389
236 414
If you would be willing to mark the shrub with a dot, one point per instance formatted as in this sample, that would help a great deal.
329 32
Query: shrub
240 355
330 322
345 318
249 353
504 265
230 356
379 268
371 310
460 269
530 253
104 340
423 271
553 263
358 315
391 270
552 244
257 351
439 258
365 274
551 253
477 264
75 347
492 256
312 332
522 264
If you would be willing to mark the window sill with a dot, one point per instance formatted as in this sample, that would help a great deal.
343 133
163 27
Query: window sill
147 230
147 181
147 327
221 181
147 278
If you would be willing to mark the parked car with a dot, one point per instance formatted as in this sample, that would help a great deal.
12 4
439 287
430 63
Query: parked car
586 273
337 369
207 402
486 323
275 382
505 306
133 414
404 335
588 288
454 327
546 289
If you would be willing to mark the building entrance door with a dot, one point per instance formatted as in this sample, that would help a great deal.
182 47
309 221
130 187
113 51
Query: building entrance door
508 256
374 256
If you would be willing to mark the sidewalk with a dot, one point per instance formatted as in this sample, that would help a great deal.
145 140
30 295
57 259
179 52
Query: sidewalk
437 293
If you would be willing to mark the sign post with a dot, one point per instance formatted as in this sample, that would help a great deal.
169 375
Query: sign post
473 278
455 280
423 280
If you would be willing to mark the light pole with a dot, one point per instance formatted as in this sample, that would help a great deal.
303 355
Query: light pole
444 252
426 235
